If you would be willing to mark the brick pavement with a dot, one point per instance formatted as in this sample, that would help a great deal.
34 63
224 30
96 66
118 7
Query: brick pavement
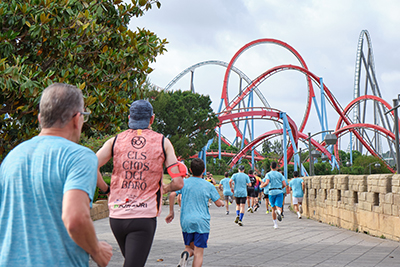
296 242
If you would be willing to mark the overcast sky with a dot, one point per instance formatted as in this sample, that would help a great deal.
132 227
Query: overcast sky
325 33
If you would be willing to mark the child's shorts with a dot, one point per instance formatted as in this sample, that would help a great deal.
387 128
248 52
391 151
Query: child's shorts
297 200
199 240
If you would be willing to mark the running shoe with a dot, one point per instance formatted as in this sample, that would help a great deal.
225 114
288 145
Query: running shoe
256 207
240 223
299 216
300 209
184 259
267 212
237 219
275 226
278 215
227 212
251 210
248 210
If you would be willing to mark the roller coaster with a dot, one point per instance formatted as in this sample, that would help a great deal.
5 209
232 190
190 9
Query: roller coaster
369 128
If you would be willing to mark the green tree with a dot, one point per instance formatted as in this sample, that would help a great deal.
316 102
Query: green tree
186 118
83 43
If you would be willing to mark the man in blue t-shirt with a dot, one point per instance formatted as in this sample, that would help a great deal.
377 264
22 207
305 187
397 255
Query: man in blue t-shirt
195 216
46 188
276 182
226 190
240 181
297 187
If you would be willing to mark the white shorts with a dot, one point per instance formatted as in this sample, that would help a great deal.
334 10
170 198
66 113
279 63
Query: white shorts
297 200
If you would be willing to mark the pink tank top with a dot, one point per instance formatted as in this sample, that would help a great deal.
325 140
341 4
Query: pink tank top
136 181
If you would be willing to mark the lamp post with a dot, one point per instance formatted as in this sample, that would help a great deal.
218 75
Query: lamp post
330 139
377 165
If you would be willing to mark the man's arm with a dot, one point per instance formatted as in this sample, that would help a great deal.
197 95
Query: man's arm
104 155
177 182
77 221
302 186
220 186
171 214
219 203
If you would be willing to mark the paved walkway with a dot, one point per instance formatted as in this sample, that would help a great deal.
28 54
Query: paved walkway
295 243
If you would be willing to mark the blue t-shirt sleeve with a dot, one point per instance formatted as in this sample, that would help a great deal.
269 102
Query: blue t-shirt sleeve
82 172
214 193
247 179
178 192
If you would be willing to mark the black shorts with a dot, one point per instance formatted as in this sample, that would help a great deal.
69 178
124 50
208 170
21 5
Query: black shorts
251 192
240 200
266 196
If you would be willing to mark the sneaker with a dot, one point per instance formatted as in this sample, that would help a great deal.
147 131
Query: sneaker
275 226
283 216
251 210
230 200
299 216
278 215
300 209
256 207
248 210
267 212
184 259
237 219
240 223
227 212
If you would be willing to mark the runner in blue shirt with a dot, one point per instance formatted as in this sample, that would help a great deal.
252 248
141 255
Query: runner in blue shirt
266 195
276 181
240 181
226 190
195 216
297 187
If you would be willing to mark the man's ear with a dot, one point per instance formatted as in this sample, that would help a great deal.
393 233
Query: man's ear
39 118
75 120
152 119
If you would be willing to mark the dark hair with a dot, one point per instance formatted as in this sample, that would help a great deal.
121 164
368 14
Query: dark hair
226 174
197 166
273 165
295 174
250 171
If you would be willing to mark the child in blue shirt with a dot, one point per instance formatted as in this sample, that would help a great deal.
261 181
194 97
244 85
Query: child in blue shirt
226 190
195 216
297 187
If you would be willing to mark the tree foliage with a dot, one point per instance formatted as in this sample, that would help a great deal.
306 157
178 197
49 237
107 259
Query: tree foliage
185 118
83 43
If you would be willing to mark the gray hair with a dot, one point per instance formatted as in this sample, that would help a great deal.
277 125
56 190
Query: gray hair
59 102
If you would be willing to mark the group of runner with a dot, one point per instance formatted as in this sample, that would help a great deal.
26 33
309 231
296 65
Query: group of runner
248 187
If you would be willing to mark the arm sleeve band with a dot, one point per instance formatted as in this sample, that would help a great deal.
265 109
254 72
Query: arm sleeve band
181 167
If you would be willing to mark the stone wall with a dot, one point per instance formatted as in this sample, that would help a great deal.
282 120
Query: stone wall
364 203
99 210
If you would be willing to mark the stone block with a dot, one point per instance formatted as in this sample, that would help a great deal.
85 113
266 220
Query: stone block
395 210
388 198
396 199
377 209
371 197
341 182
358 183
327 182
387 209
362 196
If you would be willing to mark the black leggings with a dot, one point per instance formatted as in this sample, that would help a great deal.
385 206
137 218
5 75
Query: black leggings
134 237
